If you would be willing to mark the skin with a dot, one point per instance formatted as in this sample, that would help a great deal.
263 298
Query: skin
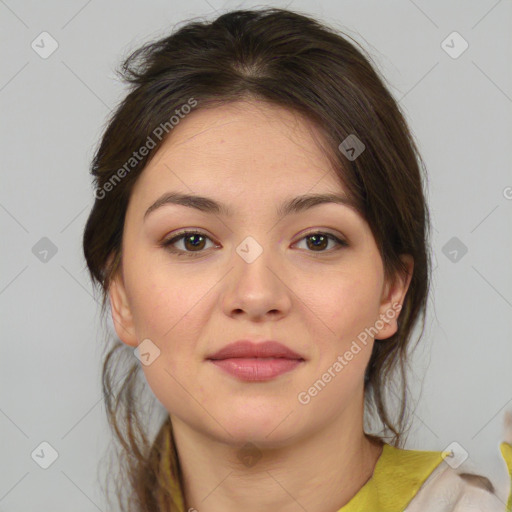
252 157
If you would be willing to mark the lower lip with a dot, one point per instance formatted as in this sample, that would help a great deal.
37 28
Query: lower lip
256 369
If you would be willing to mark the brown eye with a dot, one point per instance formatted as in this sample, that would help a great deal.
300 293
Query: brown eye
192 242
318 242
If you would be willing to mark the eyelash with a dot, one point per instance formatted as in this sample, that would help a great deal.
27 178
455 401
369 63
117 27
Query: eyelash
167 244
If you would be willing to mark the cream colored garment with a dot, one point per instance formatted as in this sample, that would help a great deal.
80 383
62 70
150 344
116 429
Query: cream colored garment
446 491
424 481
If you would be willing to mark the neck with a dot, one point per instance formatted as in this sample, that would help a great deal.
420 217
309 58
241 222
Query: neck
316 473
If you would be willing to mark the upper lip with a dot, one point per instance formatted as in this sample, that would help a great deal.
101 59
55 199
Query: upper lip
246 348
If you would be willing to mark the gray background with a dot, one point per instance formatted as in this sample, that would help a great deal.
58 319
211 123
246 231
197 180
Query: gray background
53 111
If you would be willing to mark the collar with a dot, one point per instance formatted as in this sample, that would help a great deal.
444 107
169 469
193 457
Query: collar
397 478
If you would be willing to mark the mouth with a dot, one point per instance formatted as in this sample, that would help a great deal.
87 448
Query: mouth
256 362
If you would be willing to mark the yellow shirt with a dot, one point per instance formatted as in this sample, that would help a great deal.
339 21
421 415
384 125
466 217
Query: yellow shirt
400 474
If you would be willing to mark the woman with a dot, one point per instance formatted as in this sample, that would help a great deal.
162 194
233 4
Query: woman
261 233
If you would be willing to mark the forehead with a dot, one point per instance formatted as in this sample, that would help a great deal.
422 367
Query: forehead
243 148
238 121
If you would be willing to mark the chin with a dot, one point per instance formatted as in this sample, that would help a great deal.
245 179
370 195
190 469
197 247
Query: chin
266 429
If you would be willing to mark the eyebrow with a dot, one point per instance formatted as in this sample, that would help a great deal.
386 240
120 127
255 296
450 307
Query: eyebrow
205 204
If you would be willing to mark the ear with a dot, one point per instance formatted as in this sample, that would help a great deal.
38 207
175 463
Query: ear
121 312
393 299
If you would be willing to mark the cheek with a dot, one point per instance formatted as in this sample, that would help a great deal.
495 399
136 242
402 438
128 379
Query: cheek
170 308
342 304
164 301
360 307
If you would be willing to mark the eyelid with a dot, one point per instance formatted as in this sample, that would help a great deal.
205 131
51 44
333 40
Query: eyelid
323 231
339 241
167 241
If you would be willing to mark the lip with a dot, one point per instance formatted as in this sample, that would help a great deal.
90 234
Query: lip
255 362
248 349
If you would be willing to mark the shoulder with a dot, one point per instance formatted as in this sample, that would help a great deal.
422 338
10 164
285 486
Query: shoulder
430 481
456 490
447 490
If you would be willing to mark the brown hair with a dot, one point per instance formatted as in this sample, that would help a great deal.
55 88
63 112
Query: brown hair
293 61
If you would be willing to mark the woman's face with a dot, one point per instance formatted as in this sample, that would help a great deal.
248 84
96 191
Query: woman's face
251 274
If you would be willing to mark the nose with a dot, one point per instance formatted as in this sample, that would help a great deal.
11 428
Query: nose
257 288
